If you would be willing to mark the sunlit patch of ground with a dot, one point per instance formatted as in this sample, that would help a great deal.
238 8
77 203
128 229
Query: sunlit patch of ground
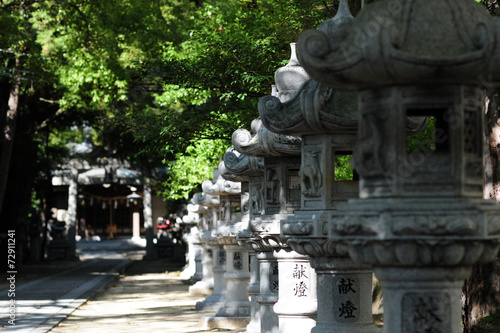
140 302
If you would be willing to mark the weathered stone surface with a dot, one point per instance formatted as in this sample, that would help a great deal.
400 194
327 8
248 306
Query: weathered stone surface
406 42
326 121
420 222
315 108
264 142
288 79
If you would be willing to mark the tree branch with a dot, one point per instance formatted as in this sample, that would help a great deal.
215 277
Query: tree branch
45 123
21 3
87 34
328 9
170 27
48 101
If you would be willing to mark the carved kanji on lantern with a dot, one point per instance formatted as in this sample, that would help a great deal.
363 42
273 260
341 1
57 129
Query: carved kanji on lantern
419 197
274 198
326 120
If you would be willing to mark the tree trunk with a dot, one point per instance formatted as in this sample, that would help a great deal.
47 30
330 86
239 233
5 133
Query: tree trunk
9 131
481 288
492 145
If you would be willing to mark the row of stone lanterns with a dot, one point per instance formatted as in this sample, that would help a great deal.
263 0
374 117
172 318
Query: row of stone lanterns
416 218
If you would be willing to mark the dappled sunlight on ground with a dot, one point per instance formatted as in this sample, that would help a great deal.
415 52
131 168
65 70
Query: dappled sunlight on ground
154 302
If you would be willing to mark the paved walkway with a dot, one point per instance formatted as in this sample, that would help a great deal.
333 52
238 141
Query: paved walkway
110 290
42 303
143 300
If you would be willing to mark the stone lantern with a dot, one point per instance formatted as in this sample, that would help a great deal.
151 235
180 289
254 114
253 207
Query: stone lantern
193 272
276 197
235 313
288 287
229 199
208 213
420 220
326 120
249 170
134 200
272 197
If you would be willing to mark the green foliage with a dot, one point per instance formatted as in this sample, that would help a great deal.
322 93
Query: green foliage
424 140
488 324
234 47
192 168
343 169
151 78
212 80
491 318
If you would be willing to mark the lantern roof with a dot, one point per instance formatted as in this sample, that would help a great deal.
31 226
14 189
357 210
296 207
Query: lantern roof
238 167
406 42
315 108
205 199
265 143
220 186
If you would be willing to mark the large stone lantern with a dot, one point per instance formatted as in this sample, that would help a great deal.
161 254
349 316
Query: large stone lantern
326 120
274 197
288 287
420 222
235 313
250 171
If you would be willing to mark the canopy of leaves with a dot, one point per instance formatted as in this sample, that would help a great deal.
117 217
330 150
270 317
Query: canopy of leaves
211 81
190 169
151 81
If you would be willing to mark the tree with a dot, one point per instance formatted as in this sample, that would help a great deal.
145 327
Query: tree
150 78
480 306
22 81
213 80
66 66
10 122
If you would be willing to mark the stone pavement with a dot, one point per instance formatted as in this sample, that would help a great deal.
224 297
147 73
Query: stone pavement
109 289
147 298
42 303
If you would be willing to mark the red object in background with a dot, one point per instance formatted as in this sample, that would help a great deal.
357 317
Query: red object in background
167 225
